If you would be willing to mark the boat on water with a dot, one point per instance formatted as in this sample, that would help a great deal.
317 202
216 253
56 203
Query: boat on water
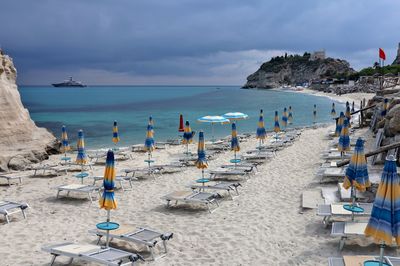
69 83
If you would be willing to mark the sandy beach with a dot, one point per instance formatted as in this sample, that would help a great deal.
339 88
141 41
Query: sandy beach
265 225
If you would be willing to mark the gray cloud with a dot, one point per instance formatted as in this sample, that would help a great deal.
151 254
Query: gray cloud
191 41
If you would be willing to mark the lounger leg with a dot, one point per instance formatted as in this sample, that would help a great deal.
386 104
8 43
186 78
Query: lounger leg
122 186
53 259
98 241
8 180
58 193
70 261
342 242
6 217
165 246
34 174
90 197
20 180
168 201
230 194
152 253
23 213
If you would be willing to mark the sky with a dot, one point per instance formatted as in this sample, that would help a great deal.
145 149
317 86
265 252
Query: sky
186 42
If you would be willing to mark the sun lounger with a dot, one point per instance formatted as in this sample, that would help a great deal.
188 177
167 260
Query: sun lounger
257 156
92 253
192 197
345 194
14 176
335 155
118 179
331 173
249 166
346 230
230 172
359 260
149 171
78 188
44 167
139 235
328 211
226 186
8 208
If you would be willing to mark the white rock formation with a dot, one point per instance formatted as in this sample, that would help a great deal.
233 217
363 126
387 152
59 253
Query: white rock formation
21 141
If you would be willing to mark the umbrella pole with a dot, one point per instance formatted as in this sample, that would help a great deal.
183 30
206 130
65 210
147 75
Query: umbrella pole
81 173
381 250
148 161
108 231
202 173
353 200
212 133
235 159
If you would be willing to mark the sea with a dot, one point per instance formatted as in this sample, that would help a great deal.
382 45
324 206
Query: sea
94 109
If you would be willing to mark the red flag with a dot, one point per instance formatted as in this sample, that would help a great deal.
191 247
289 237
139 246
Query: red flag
181 127
382 54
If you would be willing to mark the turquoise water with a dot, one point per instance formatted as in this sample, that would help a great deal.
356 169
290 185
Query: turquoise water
94 109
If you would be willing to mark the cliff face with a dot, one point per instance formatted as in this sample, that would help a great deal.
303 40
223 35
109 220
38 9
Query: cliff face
296 69
21 141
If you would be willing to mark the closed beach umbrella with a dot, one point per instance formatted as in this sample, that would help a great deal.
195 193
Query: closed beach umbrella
384 223
213 119
357 173
284 117
64 141
234 141
181 127
149 142
261 132
81 158
339 124
385 107
277 129
234 116
107 200
315 114
352 107
290 116
348 114
344 139
187 136
333 111
201 162
115 137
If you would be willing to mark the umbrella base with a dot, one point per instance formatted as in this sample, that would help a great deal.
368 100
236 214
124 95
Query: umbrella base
353 208
107 226
374 263
235 160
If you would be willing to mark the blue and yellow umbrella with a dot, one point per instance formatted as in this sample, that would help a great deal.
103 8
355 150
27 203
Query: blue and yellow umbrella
385 107
235 142
115 137
290 116
277 129
352 107
339 124
344 139
81 158
201 162
187 136
347 114
333 111
64 141
149 142
107 200
284 117
315 114
384 223
261 132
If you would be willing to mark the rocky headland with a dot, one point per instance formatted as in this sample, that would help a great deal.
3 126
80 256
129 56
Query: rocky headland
21 141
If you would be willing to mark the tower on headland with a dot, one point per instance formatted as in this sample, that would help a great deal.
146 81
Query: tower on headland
397 59
317 55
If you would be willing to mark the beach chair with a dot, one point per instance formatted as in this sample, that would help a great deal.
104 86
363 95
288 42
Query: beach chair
138 235
118 179
78 188
359 260
260 156
225 172
8 208
346 230
331 173
140 171
91 253
10 176
44 168
329 211
193 197
226 186
335 155
249 166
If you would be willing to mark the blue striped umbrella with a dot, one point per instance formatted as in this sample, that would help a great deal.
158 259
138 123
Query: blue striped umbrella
344 139
107 200
234 116
339 124
81 158
384 223
64 141
234 142
277 129
149 145
333 111
261 132
284 117
315 114
201 162
352 107
290 116
187 136
347 114
115 137
213 119
385 107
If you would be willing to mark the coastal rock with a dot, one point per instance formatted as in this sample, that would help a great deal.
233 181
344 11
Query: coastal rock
21 141
295 69
393 121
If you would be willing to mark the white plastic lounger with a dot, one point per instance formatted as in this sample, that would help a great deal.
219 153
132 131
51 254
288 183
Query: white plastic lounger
92 253
44 167
347 229
14 176
78 188
331 172
8 208
139 235
144 170
336 209
229 172
248 166
118 179
258 156
227 186
359 260
208 199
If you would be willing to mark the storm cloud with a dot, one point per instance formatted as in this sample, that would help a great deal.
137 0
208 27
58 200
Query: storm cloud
186 41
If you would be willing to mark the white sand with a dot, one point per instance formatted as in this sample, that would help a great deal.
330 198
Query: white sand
263 226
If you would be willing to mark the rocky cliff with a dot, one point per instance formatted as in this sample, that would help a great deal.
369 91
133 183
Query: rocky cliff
21 141
293 69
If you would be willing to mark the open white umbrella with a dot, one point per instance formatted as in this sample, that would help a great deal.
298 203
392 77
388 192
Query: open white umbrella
213 119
